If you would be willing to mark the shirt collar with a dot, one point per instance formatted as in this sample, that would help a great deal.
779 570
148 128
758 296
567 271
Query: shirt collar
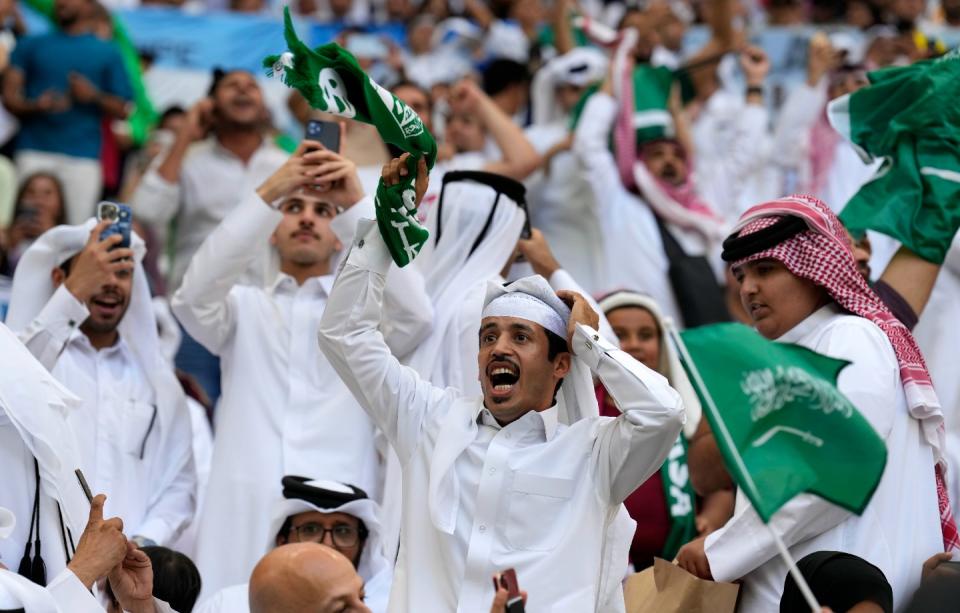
811 323
120 347
285 284
546 419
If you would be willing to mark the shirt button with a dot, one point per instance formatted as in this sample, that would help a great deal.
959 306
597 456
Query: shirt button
589 345
508 435
493 470
360 244
483 528
596 338
72 323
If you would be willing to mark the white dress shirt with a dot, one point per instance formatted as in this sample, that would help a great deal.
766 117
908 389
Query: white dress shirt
212 181
151 487
513 491
278 389
899 529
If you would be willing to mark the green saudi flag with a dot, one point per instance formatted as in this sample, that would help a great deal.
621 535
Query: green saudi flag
781 425
331 80
909 117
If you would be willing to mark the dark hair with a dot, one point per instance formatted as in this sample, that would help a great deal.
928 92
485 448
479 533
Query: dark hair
406 83
18 208
219 74
176 579
501 74
555 346
171 111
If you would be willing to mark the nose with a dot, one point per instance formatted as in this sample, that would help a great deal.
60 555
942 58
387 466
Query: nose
327 539
748 286
502 347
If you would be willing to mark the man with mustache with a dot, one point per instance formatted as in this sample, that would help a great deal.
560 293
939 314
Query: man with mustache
220 154
284 410
525 476
82 307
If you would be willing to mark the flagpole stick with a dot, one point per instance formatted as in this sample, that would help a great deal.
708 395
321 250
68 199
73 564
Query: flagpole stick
748 482
795 572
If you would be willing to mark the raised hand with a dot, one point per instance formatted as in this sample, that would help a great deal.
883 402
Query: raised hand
102 545
96 264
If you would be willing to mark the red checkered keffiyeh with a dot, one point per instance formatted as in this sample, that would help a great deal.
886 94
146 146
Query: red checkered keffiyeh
822 254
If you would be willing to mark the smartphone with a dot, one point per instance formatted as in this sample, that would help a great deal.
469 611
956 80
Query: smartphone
84 485
508 580
121 218
327 133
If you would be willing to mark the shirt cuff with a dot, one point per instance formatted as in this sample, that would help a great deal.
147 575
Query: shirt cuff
253 215
561 279
63 309
70 594
345 223
369 252
589 346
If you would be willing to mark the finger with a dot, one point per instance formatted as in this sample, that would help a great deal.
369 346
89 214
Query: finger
105 244
423 179
120 254
326 167
334 175
96 507
304 145
320 154
114 522
97 231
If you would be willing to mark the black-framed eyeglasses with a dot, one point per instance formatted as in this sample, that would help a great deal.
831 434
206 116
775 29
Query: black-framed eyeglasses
502 185
343 535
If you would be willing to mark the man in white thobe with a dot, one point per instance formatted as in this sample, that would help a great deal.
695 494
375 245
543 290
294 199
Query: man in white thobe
334 514
84 311
279 391
496 482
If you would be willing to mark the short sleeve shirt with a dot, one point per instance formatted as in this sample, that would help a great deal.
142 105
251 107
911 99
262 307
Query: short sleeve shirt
47 61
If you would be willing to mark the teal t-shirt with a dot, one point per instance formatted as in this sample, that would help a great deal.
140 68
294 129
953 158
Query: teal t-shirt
46 61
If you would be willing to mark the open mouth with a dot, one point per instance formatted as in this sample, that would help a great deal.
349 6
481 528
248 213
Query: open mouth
107 305
503 377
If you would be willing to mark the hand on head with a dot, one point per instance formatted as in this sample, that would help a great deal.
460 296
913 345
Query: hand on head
580 313
325 173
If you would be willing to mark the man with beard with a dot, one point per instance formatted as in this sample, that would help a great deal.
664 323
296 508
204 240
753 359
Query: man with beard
279 390
61 85
220 154
82 307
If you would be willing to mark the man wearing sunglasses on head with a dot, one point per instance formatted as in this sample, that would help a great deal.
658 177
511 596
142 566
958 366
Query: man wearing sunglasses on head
334 514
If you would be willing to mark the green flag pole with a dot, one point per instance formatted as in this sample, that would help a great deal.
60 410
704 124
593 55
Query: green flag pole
721 429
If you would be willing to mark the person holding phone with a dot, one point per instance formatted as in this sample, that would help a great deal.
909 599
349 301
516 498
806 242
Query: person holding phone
279 390
220 153
81 305
497 479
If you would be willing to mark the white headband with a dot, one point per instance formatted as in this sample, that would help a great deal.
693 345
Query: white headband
525 306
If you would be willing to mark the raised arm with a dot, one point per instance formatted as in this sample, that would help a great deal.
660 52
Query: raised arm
633 446
393 395
520 159
203 304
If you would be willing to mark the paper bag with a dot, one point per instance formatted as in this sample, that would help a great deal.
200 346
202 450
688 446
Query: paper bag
667 588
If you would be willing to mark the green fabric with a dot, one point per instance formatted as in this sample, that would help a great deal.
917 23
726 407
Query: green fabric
680 499
910 118
651 97
781 425
331 80
286 142
144 116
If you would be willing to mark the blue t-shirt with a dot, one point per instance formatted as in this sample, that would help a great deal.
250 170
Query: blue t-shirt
46 61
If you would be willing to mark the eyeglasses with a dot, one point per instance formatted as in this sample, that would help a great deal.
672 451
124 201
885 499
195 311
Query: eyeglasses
343 535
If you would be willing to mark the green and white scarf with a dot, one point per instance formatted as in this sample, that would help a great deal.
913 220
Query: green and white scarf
681 503
331 80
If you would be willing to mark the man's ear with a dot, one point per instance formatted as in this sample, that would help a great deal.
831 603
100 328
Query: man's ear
561 365
57 276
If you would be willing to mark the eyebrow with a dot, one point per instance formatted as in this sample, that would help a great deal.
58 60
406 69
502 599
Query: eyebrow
522 328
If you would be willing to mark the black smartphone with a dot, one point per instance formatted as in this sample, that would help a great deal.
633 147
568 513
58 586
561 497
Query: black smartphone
84 485
327 133
508 581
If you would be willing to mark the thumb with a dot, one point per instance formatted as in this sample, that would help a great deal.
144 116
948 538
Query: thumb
97 231
96 508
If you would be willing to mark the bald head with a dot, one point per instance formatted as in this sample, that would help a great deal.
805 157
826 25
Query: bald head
305 578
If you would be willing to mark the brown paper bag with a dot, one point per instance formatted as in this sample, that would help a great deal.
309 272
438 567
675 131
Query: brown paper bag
667 588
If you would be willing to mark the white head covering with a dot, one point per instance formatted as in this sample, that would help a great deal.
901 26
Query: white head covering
576 399
33 287
669 366
372 560
581 67
456 280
